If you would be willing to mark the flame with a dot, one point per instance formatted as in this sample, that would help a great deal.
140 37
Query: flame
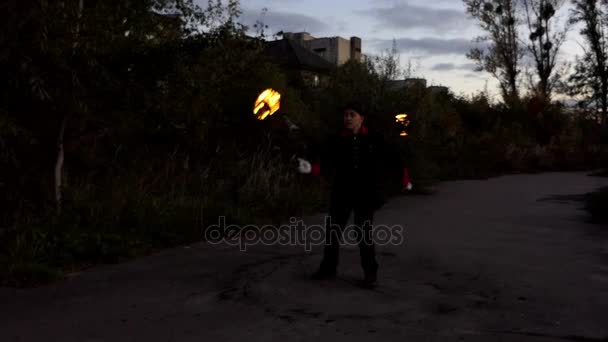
400 117
267 104
402 120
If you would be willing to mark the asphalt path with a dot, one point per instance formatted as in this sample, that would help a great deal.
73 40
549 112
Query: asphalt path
506 259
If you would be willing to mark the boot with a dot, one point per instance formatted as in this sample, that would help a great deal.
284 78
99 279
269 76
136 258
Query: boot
370 280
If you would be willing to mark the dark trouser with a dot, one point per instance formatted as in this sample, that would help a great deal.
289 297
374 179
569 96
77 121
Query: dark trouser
335 226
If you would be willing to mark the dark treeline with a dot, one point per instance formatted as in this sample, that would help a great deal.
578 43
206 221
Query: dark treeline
123 130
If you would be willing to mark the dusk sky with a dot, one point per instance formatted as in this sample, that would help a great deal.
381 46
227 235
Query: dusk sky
434 35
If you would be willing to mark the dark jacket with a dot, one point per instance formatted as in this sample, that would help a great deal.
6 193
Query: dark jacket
360 167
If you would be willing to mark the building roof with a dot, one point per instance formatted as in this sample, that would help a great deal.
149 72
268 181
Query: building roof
408 82
291 54
435 89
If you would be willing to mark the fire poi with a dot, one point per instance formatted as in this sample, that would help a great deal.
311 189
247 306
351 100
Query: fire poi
267 104
402 120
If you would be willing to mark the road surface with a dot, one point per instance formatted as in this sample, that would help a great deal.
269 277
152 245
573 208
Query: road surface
506 259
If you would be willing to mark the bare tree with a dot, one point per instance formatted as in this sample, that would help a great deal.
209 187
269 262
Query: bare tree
591 77
387 64
547 35
502 55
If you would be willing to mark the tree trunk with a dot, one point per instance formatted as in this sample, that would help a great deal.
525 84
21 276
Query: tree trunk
59 166
604 103
59 163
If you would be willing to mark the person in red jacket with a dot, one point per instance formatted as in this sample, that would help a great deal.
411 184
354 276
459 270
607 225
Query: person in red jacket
357 159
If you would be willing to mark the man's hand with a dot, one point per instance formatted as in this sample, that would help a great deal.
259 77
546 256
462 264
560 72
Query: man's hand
408 187
304 166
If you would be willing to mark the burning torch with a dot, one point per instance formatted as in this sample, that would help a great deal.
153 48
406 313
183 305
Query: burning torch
404 122
269 103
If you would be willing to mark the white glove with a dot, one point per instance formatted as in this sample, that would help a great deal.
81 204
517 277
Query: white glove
304 166
409 186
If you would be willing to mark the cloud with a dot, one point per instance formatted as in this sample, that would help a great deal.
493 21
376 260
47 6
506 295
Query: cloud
425 46
283 21
452 66
411 16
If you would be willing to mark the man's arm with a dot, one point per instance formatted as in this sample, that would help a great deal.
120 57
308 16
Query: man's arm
406 181
398 164
322 159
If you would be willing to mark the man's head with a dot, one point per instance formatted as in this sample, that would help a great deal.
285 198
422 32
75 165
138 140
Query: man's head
353 118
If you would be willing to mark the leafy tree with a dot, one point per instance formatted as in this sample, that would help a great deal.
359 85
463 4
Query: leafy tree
62 62
591 75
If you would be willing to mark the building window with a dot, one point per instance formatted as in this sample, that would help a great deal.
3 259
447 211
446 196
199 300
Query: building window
315 80
320 50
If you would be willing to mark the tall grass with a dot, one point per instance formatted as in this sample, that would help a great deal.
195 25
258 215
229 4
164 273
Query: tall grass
137 214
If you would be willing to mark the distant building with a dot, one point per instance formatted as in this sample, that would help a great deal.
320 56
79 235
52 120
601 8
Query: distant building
335 50
303 66
436 90
408 83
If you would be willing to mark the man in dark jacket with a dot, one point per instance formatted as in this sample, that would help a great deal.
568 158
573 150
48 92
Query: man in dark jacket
358 161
